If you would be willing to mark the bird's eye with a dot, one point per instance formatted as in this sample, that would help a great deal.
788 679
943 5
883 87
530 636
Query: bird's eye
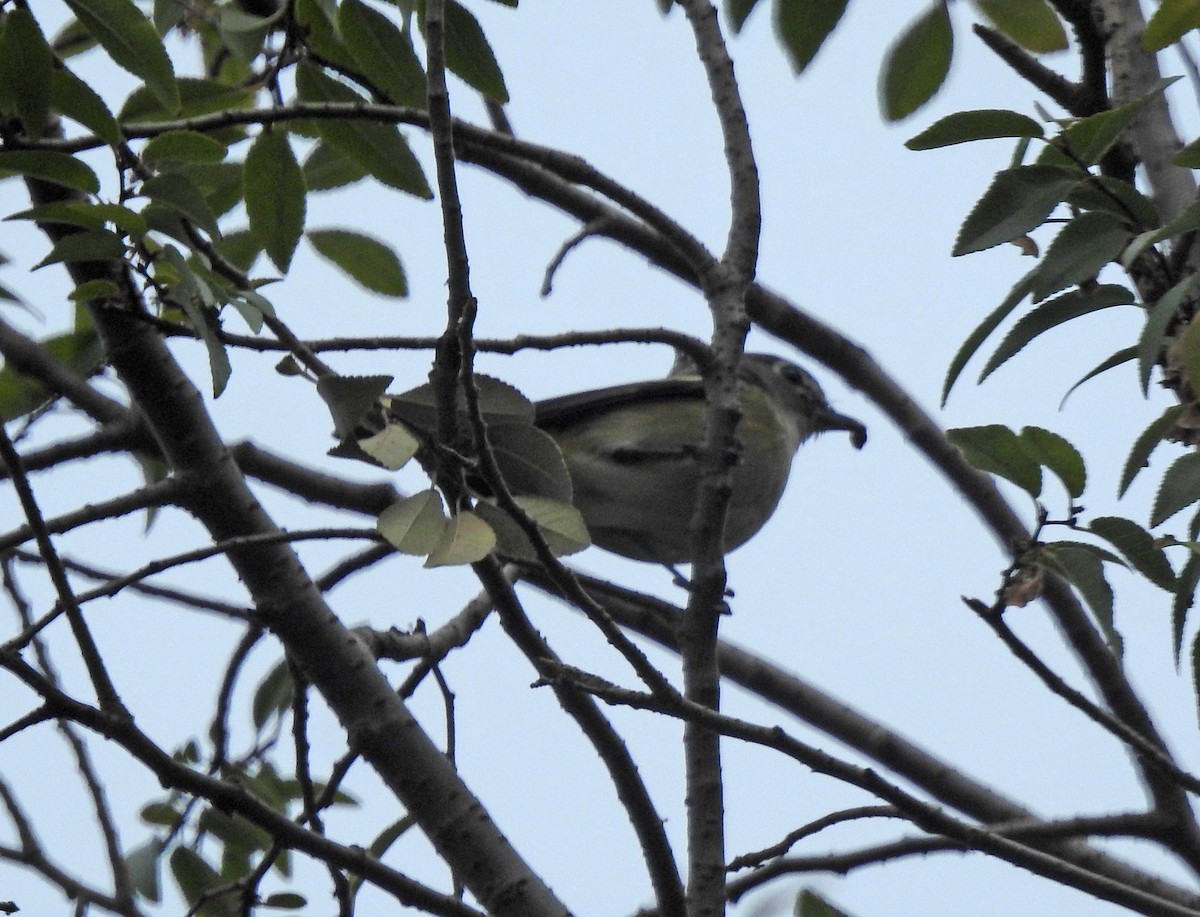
793 374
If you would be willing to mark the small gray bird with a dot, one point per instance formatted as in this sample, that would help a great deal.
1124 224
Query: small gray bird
633 453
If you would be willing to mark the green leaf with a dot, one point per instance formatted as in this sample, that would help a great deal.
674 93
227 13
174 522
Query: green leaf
82 104
1030 23
530 461
1085 245
737 11
1188 221
1114 196
983 330
130 40
1088 139
162 814
194 296
1054 452
195 878
26 69
466 539
196 97
1138 547
1188 352
275 196
916 65
326 169
1162 314
179 194
997 449
1052 313
1169 22
80 351
810 904
383 53
58 168
182 146
89 245
85 214
370 262
1083 567
1196 669
1017 201
1185 597
351 399
316 18
417 524
803 26
468 54
1180 488
1149 440
499 403
273 696
287 901
378 148
1124 355
968 126
141 864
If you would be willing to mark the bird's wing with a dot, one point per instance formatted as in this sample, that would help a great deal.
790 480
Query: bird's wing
566 409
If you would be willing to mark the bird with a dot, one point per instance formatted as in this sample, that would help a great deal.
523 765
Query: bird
633 453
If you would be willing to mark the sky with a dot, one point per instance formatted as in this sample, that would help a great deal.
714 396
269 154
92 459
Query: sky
856 582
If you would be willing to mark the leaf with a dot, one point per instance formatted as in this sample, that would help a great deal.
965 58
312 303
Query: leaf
530 461
1054 452
85 214
1083 567
560 524
1162 314
89 245
370 262
273 696
969 126
1088 139
997 449
179 194
468 54
383 53
350 399
288 901
141 865
196 97
983 330
78 101
378 148
130 40
1138 547
416 524
1124 355
1052 313
275 196
916 65
195 877
810 904
182 146
1170 22
326 169
1100 192
392 447
1180 488
499 402
1185 597
1188 350
737 11
1085 245
80 351
1149 440
58 168
803 26
26 69
1188 221
1018 201
465 540
1030 23
193 295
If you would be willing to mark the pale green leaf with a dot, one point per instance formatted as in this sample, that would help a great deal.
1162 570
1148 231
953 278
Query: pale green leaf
1170 21
1180 488
416 524
1030 23
997 449
466 539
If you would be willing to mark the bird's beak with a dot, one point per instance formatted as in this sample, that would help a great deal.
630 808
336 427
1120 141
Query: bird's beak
830 419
